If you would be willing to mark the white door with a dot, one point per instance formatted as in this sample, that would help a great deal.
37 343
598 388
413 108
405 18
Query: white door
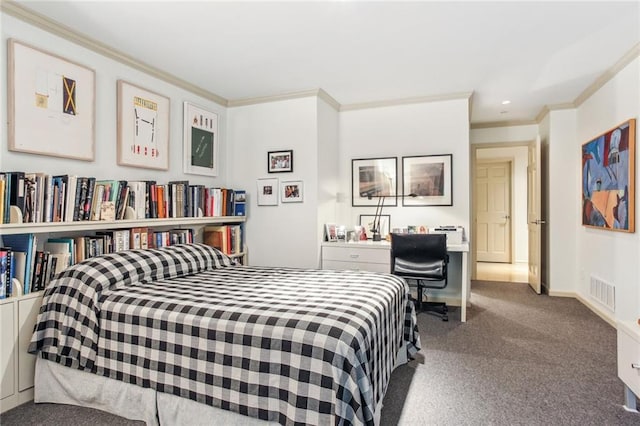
534 220
493 212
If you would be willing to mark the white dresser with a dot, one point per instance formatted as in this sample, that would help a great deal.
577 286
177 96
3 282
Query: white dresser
629 361
365 256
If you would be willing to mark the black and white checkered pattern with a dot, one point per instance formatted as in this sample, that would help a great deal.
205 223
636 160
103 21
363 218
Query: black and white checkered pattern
287 345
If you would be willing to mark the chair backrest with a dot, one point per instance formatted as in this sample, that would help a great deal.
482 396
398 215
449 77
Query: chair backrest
419 255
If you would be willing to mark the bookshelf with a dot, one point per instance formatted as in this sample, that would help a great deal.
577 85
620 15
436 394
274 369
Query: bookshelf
18 313
98 225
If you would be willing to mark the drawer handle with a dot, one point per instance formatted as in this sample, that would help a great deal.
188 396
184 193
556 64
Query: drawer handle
636 366
354 256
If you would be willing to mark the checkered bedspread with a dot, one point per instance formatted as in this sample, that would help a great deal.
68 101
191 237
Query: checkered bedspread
295 346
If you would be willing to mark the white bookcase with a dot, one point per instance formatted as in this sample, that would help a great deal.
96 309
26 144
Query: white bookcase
18 314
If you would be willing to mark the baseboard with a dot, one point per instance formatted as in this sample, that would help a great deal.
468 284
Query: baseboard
606 316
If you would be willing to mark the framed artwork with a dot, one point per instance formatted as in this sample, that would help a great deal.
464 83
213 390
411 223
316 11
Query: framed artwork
366 221
268 192
143 127
51 104
200 141
292 191
372 179
280 161
608 177
426 180
331 231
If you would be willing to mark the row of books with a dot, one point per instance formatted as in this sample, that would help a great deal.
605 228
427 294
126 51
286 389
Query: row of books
33 268
226 238
68 198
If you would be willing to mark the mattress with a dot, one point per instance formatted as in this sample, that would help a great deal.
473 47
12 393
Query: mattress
292 346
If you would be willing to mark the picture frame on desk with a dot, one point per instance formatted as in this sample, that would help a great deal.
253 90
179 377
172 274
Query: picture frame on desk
429 177
374 181
51 104
331 232
200 141
366 222
143 127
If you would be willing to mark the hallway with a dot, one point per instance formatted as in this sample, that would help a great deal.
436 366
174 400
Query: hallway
510 272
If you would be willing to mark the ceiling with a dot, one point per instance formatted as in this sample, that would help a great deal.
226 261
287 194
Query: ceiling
534 54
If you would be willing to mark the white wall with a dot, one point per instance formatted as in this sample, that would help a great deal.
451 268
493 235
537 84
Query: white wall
519 156
611 256
431 128
286 234
522 133
564 202
107 72
328 167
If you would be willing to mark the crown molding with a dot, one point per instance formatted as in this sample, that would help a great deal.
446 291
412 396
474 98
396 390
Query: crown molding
53 27
628 57
508 123
273 98
328 99
406 101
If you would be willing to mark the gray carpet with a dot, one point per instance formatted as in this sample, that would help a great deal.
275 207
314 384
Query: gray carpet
521 359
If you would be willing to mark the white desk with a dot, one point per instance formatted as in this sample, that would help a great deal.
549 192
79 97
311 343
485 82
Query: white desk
374 256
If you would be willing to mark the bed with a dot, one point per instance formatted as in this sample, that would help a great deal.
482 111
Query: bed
157 334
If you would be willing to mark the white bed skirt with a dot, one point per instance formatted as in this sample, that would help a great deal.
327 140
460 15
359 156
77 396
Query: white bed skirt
55 383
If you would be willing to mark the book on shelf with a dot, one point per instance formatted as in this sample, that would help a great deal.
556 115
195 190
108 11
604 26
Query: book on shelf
26 243
16 194
240 202
6 266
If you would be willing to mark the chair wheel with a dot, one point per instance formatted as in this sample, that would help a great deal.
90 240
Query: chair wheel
445 318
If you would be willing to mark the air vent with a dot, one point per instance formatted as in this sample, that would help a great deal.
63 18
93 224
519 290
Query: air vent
603 292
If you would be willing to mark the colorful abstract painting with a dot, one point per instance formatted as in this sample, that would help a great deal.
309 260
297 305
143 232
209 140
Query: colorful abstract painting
608 176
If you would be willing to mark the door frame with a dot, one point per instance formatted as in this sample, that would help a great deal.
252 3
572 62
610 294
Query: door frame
512 202
474 159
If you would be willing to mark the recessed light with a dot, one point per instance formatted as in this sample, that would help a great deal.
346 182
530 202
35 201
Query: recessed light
506 102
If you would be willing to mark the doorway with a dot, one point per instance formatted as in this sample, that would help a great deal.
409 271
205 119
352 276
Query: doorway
500 212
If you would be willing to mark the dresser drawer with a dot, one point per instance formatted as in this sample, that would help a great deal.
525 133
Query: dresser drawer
355 266
629 355
356 254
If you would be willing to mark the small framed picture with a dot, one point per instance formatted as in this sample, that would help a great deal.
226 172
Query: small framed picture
268 192
143 127
331 230
428 179
366 221
292 191
280 161
200 141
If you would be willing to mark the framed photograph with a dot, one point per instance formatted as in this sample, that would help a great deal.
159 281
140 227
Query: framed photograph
331 231
268 192
200 141
426 180
366 221
292 191
608 177
372 179
280 161
51 104
143 127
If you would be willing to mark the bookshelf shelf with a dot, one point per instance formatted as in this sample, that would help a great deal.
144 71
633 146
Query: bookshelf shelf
51 227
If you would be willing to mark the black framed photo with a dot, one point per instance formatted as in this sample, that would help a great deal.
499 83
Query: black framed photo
427 179
374 179
280 161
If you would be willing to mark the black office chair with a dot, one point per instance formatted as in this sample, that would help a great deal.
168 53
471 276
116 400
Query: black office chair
423 258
